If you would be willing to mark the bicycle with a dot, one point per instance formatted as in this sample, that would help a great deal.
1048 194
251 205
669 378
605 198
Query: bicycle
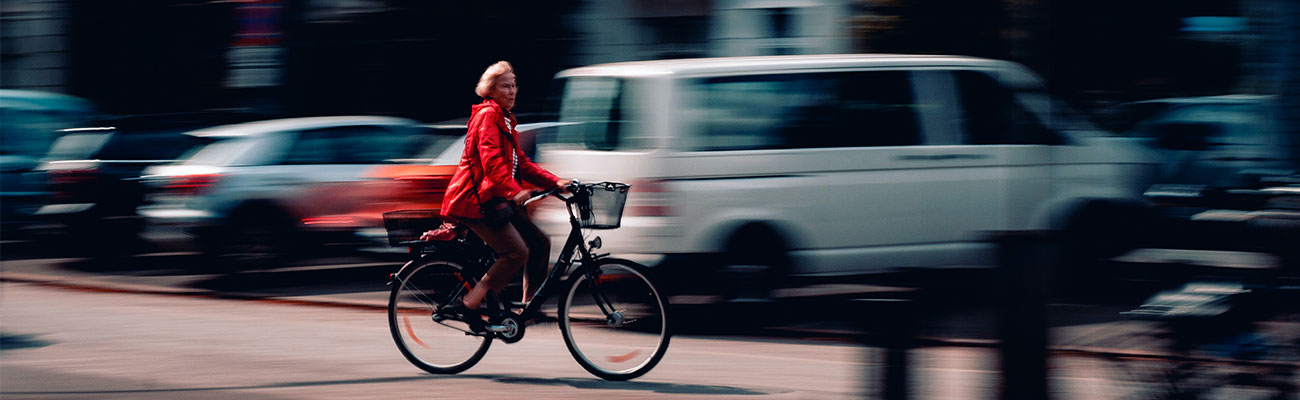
612 317
1206 340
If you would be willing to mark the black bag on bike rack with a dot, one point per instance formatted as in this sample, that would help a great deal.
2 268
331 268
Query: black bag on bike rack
496 211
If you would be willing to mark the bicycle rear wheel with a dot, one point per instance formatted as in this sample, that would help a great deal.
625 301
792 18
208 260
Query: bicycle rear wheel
614 320
439 346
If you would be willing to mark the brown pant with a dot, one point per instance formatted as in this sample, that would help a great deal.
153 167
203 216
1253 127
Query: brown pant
517 243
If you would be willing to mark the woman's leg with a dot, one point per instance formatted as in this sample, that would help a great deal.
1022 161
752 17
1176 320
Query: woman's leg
539 251
512 254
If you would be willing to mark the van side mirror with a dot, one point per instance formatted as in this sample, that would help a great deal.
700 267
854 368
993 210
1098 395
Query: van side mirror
1194 136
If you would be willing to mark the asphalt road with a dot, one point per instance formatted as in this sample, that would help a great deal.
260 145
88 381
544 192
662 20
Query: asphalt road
160 326
75 344
80 344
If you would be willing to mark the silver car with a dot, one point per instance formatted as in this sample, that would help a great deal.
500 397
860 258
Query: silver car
267 188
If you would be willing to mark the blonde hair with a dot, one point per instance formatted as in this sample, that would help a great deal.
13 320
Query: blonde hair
490 77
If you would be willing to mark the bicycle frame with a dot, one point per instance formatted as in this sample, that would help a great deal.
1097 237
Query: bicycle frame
562 263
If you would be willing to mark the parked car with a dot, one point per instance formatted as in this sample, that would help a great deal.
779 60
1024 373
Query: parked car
264 189
1209 144
744 171
29 122
93 172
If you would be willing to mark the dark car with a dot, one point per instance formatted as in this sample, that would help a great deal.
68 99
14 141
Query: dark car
29 121
1210 143
93 171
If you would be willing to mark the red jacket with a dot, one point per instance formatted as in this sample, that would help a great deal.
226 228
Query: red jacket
488 147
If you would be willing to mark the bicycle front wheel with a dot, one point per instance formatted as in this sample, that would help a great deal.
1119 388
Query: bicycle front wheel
614 320
436 345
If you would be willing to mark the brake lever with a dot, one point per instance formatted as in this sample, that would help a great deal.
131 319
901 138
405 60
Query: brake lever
538 195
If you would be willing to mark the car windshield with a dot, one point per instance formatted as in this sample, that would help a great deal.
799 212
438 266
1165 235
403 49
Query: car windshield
223 152
451 152
436 142
77 146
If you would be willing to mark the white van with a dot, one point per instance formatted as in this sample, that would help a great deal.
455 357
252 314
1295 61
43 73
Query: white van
835 164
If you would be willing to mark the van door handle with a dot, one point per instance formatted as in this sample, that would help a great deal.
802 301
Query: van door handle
941 157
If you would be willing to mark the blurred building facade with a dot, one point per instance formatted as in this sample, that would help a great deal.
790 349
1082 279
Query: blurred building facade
647 30
33 45
420 59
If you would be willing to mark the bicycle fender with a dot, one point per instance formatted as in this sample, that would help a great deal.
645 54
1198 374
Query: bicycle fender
420 260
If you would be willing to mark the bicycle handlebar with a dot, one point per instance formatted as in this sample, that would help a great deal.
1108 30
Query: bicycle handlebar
541 194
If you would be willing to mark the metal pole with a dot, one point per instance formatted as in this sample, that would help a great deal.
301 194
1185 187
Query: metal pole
888 323
1024 277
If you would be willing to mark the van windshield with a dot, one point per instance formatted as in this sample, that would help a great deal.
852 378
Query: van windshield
597 110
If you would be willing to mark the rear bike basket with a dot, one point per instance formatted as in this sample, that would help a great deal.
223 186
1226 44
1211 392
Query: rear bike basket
408 225
600 205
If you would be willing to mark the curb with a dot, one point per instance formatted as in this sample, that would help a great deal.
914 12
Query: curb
90 285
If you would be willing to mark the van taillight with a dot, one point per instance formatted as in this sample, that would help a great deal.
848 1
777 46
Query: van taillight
649 198
191 184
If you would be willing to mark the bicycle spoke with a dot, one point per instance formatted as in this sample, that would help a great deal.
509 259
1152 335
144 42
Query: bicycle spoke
427 340
614 321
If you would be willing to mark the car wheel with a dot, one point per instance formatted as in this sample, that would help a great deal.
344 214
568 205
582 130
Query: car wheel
254 239
106 237
1098 232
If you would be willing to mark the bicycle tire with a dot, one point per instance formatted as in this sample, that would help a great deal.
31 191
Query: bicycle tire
625 343
439 347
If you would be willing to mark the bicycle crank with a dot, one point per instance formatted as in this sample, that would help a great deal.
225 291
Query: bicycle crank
510 328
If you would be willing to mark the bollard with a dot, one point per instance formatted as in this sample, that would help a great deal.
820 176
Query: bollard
1024 275
889 323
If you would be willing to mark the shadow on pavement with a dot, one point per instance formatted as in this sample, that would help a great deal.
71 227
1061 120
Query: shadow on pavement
656 387
145 265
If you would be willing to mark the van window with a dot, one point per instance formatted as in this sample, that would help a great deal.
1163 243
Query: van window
597 107
992 116
809 110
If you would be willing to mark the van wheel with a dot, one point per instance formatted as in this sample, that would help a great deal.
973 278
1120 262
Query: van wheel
753 266
1096 233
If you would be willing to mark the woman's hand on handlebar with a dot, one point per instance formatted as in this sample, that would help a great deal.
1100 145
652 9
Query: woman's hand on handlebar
522 197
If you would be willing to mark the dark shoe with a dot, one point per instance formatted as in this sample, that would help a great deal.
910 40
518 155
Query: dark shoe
458 311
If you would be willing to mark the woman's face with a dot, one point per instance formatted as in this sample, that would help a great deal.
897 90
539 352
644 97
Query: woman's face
504 90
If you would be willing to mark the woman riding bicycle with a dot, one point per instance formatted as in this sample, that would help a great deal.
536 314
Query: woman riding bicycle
486 192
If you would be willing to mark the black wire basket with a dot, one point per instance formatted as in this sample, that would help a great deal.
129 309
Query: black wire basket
600 205
408 225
